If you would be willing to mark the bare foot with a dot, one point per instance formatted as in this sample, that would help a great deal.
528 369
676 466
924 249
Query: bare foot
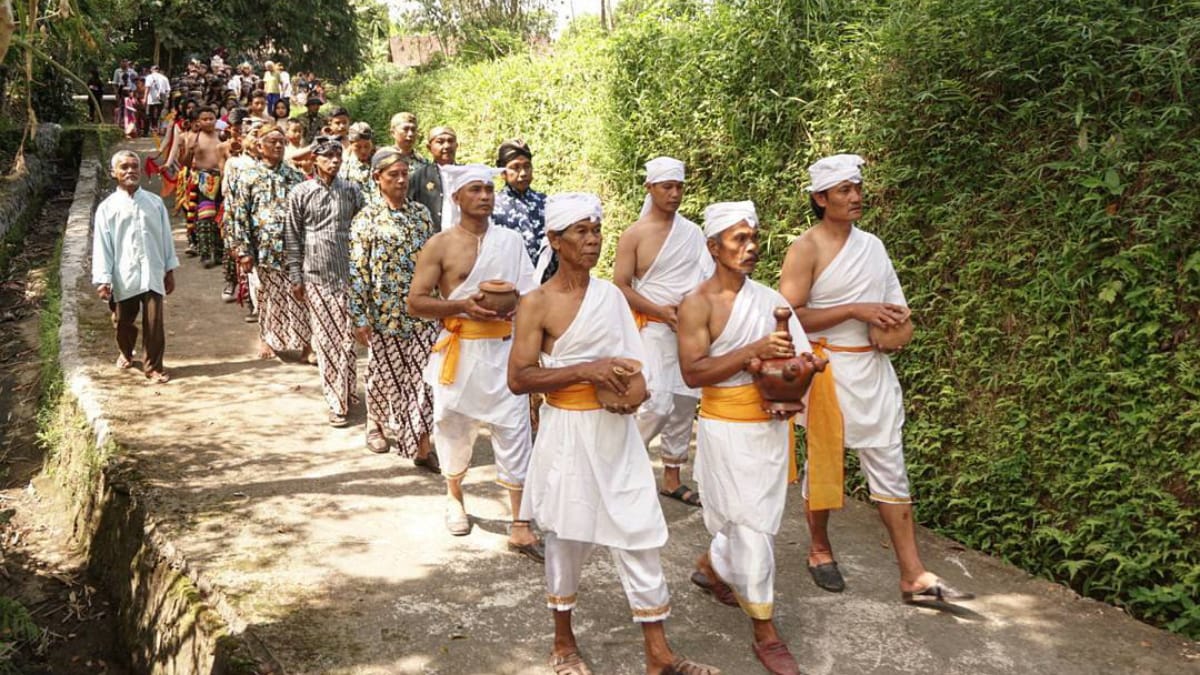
158 377
265 352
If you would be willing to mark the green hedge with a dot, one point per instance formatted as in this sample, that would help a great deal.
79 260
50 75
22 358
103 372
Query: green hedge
1033 172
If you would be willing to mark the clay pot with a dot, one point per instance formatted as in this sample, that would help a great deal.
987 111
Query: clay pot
784 382
891 339
637 386
499 296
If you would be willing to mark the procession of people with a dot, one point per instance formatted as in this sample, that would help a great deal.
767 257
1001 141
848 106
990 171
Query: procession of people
473 300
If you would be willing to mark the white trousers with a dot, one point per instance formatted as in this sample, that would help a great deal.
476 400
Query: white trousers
675 427
887 478
454 438
641 576
744 558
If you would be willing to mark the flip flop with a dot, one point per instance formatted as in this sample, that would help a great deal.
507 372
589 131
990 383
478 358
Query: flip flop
571 664
429 463
158 377
124 362
938 591
684 494
715 587
535 551
682 666
828 577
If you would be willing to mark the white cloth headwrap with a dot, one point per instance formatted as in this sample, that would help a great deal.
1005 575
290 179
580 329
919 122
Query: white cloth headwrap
454 178
562 211
661 170
830 171
724 215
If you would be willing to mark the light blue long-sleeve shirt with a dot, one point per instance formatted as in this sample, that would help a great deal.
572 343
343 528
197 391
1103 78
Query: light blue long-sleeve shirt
132 246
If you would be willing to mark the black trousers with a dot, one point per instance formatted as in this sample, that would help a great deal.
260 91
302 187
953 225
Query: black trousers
154 338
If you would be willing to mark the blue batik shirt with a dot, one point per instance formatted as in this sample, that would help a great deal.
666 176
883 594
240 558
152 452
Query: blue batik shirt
525 214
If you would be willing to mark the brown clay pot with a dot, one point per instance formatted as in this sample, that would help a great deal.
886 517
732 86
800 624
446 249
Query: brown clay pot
499 296
637 386
783 382
891 339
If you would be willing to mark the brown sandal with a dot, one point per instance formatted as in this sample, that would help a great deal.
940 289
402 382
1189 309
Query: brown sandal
717 588
682 666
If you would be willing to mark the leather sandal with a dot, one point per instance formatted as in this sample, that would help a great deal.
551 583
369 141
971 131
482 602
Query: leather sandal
715 587
938 591
571 664
682 666
775 656
828 576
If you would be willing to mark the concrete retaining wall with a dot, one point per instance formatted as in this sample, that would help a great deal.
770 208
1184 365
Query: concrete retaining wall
21 189
169 620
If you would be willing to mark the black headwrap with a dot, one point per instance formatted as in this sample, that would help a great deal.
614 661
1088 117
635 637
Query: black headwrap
510 150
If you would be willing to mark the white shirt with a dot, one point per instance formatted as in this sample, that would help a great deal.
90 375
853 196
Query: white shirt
132 247
158 87
285 84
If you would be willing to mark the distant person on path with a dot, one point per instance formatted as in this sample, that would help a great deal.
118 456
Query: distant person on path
158 90
204 154
425 185
841 283
590 482
356 167
258 216
468 368
519 207
285 83
133 264
311 119
270 84
316 242
405 131
744 456
96 88
661 258
384 239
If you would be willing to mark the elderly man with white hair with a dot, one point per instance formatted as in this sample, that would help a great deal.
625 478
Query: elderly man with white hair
744 455
844 289
661 258
468 366
133 263
590 483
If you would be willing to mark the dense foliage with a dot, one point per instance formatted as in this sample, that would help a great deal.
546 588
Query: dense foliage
1034 174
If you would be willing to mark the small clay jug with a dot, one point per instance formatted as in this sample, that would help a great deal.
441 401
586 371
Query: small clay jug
783 382
499 296
632 371
891 339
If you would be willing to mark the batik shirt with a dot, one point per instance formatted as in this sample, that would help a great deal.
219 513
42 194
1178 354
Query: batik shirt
258 211
526 215
359 173
311 125
383 249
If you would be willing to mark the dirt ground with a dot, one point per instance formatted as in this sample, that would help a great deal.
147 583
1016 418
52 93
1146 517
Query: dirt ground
37 567
338 562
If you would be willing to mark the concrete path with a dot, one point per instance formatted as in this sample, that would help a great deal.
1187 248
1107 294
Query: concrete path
338 562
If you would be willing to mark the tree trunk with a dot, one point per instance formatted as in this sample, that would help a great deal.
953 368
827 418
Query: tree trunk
157 45
8 26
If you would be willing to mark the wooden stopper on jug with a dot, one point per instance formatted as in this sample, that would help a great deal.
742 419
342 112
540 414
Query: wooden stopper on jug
782 314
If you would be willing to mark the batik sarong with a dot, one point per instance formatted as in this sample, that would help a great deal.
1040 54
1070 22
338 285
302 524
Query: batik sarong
282 319
398 399
333 341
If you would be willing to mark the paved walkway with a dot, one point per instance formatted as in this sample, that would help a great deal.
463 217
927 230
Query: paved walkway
339 563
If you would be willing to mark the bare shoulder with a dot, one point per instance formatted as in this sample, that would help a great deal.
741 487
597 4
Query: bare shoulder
532 306
435 244
633 233
696 302
804 246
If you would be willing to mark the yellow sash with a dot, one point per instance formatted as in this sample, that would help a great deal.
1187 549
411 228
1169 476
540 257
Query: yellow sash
579 396
465 329
744 404
643 319
826 434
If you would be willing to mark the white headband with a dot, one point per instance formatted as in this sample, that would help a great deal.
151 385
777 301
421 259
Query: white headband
562 211
454 178
661 170
830 171
724 215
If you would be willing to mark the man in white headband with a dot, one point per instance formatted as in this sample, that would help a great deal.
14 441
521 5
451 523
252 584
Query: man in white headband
844 289
590 482
468 366
743 455
660 259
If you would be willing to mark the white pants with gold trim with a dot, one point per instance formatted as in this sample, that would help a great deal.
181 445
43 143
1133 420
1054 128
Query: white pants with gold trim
454 438
675 426
641 576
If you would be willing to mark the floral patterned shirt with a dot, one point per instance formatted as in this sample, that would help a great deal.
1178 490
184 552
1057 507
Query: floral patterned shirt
526 215
257 211
359 173
383 249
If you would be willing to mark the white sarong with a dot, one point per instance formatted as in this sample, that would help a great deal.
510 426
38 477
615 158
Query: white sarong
681 264
868 390
589 478
742 467
480 389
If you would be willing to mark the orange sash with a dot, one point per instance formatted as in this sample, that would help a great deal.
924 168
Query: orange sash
465 329
826 434
744 404
578 396
643 319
